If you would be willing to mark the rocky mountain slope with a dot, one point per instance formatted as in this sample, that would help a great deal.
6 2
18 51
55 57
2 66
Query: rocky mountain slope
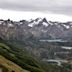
38 28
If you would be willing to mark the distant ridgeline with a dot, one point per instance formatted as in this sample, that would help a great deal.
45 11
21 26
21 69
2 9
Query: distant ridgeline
38 28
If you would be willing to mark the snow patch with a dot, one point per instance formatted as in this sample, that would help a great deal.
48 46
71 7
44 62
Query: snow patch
67 26
31 24
10 25
56 23
21 23
1 22
45 24
50 23
35 22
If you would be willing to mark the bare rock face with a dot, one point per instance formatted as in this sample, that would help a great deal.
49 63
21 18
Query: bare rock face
38 28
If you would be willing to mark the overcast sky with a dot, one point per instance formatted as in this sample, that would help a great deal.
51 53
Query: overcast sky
47 6
56 6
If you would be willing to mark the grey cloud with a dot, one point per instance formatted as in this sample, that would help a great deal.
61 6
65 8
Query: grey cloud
55 6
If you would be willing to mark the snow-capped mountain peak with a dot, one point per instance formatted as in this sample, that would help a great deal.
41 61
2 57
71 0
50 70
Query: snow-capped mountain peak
45 24
38 21
39 27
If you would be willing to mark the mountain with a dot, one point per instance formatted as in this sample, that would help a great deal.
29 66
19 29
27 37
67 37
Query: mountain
22 44
39 28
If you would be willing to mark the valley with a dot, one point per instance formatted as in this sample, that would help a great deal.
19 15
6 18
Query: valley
37 45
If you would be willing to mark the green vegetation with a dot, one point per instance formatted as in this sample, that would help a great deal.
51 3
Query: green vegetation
21 57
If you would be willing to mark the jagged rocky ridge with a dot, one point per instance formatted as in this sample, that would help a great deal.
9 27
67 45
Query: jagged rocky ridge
38 28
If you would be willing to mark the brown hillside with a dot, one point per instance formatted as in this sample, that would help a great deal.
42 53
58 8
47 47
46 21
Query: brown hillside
8 66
